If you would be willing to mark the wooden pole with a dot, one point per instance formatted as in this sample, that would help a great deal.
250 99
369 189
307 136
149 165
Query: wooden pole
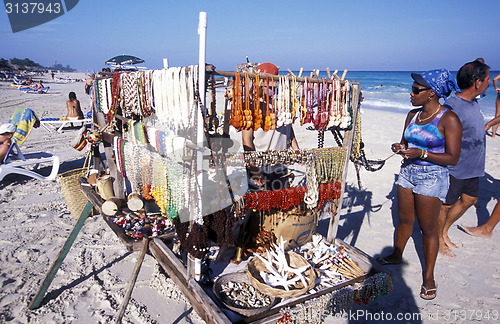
344 74
37 300
192 265
133 279
348 138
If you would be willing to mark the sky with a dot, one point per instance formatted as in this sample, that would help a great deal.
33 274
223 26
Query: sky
358 35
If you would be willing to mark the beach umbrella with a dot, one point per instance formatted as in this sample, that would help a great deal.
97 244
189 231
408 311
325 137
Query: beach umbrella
124 59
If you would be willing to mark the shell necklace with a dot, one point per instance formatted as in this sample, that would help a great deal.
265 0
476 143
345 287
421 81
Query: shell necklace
427 118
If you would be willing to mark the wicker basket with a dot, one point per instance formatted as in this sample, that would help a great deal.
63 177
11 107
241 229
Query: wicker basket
70 186
255 266
238 277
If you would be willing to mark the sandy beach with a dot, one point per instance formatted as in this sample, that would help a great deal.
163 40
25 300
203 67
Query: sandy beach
92 281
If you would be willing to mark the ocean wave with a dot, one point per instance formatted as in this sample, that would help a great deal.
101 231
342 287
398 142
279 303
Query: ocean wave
387 103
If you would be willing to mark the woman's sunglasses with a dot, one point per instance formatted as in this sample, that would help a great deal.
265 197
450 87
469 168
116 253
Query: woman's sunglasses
416 90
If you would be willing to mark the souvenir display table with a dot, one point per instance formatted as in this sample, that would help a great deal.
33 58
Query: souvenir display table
156 166
174 183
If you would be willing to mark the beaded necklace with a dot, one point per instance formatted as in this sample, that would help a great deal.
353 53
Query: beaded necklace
132 168
329 163
309 99
146 170
345 104
115 97
294 95
257 110
159 183
119 148
247 112
334 119
129 94
312 194
236 107
103 90
95 98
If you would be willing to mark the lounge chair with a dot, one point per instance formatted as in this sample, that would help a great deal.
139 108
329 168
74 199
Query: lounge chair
58 124
30 90
15 161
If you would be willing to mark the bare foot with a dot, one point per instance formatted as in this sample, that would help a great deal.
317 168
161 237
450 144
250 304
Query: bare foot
476 231
446 251
449 243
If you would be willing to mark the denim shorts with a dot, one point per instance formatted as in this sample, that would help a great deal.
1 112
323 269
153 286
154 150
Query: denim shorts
425 180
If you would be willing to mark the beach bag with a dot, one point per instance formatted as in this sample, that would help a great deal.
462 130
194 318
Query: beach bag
295 226
80 141
71 187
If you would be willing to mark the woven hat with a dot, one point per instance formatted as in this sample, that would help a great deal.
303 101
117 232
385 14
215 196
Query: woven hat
7 128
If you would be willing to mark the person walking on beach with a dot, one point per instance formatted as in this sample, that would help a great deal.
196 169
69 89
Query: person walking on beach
431 141
492 123
473 79
73 107
485 230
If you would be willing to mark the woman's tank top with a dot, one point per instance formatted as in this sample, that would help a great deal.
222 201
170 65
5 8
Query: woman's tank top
426 137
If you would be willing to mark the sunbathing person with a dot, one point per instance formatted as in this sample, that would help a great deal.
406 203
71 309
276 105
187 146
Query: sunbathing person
6 132
73 107
28 81
37 86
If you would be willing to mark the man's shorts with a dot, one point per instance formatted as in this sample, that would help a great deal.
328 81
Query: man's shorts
470 187
425 180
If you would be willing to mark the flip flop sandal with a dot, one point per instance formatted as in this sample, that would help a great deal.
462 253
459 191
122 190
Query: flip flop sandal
428 294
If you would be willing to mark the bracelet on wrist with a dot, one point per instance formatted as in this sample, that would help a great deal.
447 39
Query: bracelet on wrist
425 155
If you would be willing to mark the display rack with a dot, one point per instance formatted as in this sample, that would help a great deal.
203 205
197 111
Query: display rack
119 126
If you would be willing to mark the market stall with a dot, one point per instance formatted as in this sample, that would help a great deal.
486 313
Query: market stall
173 174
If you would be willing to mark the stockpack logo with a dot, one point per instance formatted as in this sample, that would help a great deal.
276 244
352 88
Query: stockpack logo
27 14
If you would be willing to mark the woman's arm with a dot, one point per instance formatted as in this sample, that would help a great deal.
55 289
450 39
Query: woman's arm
495 83
397 147
247 139
452 131
294 144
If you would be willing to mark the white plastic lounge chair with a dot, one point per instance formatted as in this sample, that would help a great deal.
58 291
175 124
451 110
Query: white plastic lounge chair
15 162
57 125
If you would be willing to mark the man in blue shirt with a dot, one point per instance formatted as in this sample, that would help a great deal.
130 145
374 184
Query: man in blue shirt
473 79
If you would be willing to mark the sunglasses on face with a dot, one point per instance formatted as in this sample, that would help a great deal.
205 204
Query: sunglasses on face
416 90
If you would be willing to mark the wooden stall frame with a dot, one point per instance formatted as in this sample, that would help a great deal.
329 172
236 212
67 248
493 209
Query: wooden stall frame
182 275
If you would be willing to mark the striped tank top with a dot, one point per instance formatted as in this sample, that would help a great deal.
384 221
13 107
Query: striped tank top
426 137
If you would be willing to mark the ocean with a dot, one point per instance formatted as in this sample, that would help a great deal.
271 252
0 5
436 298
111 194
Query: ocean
390 90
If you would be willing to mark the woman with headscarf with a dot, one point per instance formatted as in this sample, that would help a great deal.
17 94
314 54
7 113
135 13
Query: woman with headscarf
431 140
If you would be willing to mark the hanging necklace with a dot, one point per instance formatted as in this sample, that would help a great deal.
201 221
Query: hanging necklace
427 118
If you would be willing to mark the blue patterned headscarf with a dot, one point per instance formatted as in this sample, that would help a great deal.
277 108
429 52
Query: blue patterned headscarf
438 80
